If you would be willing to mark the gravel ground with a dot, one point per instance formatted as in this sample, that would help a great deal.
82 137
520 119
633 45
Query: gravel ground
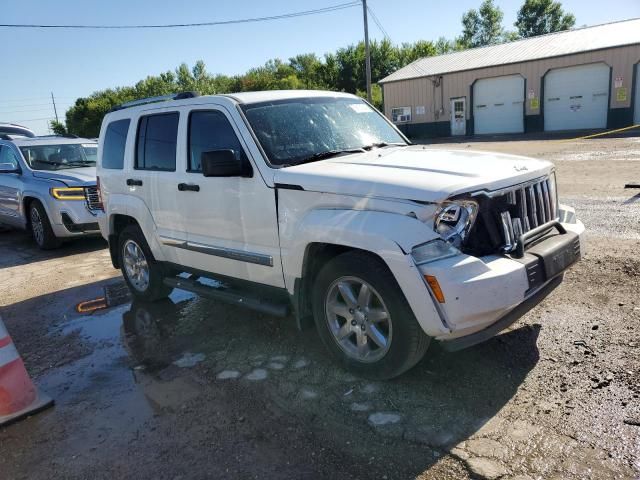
189 388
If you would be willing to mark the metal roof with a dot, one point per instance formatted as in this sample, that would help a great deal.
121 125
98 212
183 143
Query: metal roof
597 37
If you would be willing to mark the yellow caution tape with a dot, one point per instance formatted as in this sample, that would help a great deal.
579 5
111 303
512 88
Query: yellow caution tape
609 132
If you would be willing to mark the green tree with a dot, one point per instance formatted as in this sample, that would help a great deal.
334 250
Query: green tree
537 17
343 70
483 26
307 68
58 127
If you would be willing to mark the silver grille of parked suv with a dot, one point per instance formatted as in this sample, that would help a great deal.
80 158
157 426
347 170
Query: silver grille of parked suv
526 207
92 198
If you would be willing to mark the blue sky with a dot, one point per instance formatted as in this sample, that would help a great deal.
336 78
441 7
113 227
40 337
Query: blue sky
74 63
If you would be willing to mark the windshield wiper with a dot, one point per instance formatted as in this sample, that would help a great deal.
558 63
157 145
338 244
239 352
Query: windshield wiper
384 144
78 163
328 154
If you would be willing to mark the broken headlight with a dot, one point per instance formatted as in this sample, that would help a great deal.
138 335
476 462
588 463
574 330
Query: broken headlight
454 220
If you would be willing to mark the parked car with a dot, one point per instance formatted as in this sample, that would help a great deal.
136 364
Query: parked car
48 186
314 203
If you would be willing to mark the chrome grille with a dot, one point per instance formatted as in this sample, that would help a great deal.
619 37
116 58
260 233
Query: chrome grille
525 208
92 198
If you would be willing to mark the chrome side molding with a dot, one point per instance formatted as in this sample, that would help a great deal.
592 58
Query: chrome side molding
233 254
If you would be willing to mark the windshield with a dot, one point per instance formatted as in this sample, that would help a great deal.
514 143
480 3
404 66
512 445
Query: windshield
304 129
57 157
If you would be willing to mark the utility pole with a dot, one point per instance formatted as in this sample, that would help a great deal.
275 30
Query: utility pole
366 49
54 107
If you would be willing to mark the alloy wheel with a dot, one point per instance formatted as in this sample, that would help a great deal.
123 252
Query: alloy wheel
135 265
37 227
358 319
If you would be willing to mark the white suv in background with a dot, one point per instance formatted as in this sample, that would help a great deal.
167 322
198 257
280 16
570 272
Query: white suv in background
314 203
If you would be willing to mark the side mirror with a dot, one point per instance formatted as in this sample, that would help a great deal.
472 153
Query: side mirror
225 163
9 168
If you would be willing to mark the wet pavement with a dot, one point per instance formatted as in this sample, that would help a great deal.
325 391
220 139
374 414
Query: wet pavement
189 388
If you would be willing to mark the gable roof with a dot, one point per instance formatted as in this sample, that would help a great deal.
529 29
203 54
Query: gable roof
597 37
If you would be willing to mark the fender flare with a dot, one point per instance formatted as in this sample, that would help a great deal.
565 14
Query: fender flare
135 208
387 235
37 196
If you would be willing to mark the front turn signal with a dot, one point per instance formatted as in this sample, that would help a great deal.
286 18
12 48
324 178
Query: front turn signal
68 193
435 287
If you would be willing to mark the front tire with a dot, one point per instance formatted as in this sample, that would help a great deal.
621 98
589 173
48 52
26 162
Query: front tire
143 275
363 318
41 230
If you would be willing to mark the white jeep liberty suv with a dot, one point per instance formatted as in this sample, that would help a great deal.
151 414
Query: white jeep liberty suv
313 203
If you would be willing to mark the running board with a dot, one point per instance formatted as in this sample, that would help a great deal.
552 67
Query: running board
233 297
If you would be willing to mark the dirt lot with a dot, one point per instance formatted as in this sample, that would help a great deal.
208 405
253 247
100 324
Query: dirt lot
189 388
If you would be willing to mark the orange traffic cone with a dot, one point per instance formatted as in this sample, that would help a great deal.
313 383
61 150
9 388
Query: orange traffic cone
18 396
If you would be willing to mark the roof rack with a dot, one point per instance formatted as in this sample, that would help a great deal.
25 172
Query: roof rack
14 129
161 98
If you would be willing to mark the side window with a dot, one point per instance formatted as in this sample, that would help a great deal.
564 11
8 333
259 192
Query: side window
210 130
156 142
8 157
114 142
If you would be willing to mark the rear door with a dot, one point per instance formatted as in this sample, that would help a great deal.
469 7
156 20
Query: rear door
157 169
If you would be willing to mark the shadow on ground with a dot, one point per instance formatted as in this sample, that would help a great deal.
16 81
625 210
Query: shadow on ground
18 248
189 372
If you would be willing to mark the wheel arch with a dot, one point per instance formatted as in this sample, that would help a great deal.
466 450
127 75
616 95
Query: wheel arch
27 199
389 237
117 223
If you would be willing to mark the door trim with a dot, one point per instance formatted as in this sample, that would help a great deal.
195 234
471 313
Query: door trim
233 254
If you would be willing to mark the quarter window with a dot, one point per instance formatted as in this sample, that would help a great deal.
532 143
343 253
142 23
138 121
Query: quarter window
114 142
156 142
210 130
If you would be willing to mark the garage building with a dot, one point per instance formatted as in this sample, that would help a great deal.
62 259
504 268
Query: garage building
587 78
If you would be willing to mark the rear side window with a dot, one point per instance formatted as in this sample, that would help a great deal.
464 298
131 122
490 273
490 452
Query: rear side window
156 143
114 142
210 130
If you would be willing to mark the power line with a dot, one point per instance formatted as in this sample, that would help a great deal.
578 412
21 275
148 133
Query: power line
29 120
31 100
26 111
378 23
333 8
32 105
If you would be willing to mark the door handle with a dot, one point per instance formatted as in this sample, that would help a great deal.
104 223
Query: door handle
183 187
132 182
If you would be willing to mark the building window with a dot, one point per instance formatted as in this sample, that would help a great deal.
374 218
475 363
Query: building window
401 114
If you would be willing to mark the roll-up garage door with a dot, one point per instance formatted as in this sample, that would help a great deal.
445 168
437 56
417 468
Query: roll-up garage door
498 105
576 97
636 115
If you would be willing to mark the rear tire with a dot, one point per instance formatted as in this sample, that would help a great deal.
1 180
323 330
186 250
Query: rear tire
356 296
41 230
143 275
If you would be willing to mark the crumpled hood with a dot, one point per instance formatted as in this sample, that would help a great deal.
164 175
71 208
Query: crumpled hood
413 173
73 177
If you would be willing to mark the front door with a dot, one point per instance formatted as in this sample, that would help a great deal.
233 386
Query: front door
458 116
10 188
232 225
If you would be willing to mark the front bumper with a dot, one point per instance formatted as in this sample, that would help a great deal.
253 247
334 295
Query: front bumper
486 294
72 218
